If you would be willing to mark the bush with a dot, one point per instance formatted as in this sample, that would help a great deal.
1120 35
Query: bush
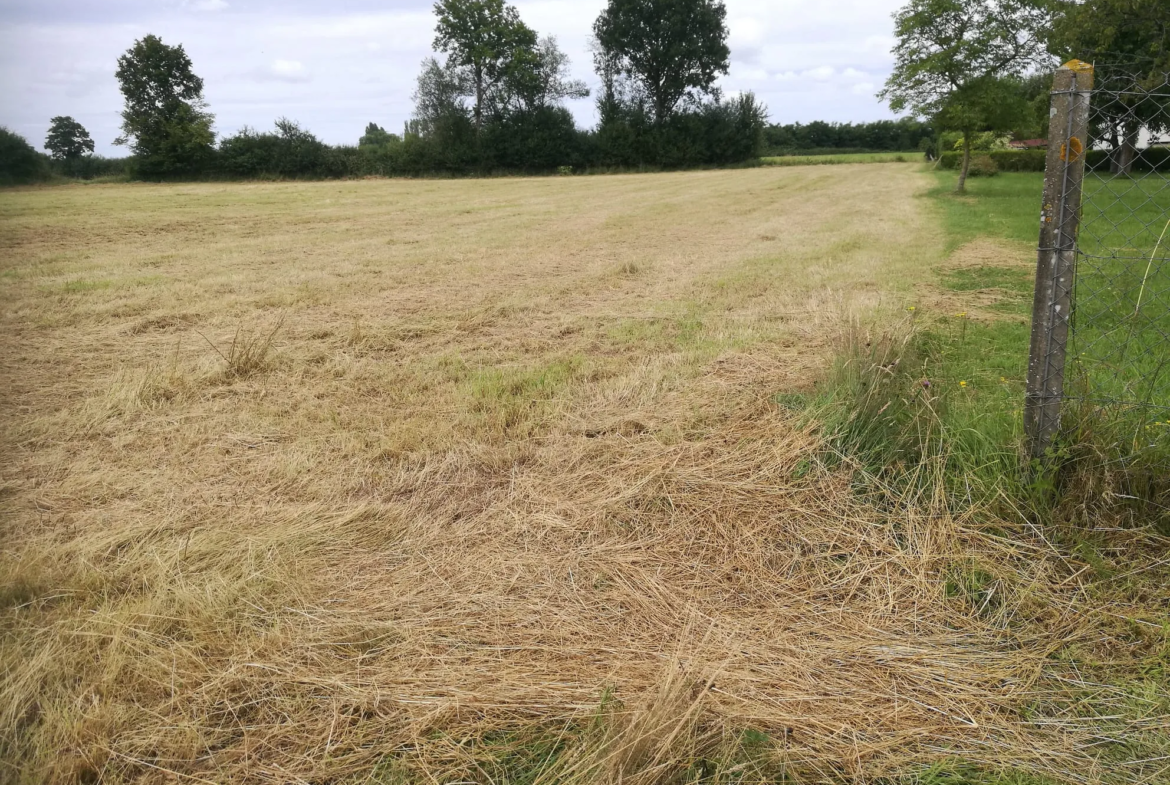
786 152
89 167
1153 159
538 140
292 152
983 166
821 138
1004 160
707 134
19 162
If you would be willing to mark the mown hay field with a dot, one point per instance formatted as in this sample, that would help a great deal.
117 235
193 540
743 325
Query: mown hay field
390 481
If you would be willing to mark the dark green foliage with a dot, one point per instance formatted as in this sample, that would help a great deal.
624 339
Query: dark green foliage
291 152
1128 41
164 120
91 167
541 139
1153 159
880 136
1035 91
72 150
1005 160
712 133
1131 33
68 140
667 49
376 136
658 60
19 162
983 166
494 105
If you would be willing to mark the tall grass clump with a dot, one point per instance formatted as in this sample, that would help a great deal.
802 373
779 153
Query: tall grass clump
899 407
916 411
250 351
1113 461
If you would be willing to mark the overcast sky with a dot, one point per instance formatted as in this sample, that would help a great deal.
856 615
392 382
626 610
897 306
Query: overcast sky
335 65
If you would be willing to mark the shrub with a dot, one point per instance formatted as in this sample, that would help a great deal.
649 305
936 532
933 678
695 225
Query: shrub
291 152
983 166
1153 159
19 162
89 167
712 133
540 139
1005 160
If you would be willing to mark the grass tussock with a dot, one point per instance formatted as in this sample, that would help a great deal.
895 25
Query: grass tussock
250 351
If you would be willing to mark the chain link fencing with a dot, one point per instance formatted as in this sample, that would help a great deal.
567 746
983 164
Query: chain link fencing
1101 321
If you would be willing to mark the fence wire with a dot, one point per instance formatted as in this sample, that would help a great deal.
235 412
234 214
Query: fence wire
1119 344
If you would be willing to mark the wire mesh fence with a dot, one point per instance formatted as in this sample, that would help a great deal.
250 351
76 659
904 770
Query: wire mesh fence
1121 315
1101 332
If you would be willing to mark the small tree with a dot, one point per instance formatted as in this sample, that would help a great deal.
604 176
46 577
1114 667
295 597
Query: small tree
164 121
952 59
68 140
485 37
376 136
669 48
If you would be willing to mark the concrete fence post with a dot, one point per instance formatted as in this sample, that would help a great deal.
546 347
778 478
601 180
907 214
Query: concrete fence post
1056 262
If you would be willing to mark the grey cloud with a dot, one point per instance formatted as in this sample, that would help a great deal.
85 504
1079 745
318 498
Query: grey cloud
281 70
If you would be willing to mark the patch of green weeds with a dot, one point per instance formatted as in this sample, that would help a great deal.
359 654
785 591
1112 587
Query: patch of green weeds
962 773
975 587
984 277
81 286
501 384
681 332
511 397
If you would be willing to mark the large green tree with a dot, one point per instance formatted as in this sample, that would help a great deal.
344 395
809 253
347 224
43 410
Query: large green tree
954 61
164 120
68 140
666 48
1128 41
486 37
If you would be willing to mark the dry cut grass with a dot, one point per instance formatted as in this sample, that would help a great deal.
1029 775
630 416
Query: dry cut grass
347 482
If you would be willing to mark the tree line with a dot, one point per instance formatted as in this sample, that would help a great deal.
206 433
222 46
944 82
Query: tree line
492 97
879 136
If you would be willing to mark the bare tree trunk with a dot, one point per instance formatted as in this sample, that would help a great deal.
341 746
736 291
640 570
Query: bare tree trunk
966 163
478 99
1115 153
1128 150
